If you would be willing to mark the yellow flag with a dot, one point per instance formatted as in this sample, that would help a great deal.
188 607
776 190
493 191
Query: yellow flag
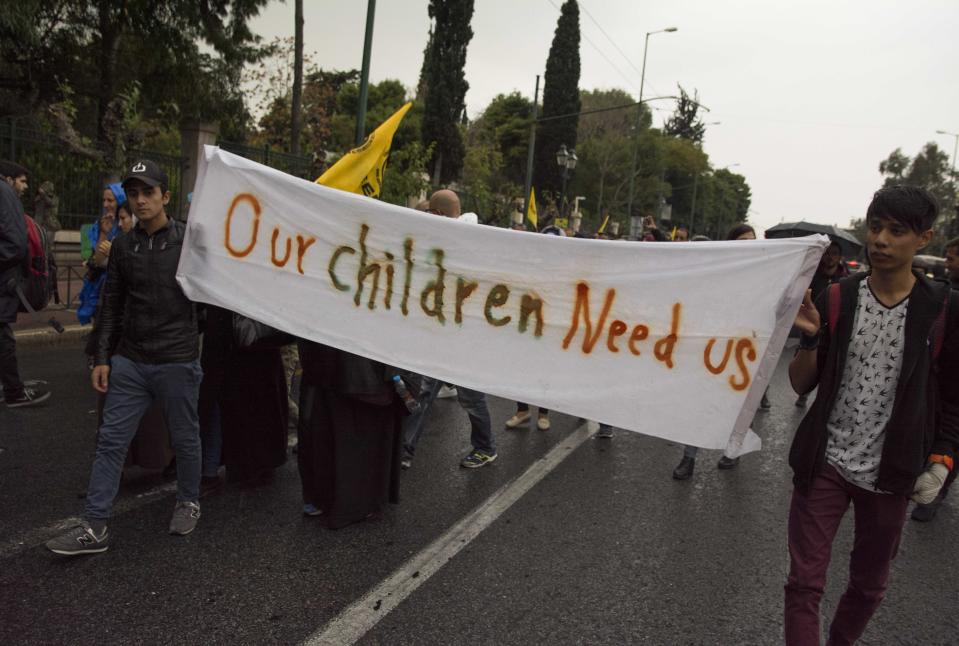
361 169
602 229
531 209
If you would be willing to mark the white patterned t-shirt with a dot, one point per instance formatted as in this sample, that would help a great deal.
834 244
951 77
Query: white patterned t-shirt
863 406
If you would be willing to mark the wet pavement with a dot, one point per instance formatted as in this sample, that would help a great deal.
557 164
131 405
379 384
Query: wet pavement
606 549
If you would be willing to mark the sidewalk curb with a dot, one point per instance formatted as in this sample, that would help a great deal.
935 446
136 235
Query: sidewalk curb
47 336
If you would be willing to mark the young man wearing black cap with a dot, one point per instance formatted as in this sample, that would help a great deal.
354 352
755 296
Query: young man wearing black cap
13 255
148 350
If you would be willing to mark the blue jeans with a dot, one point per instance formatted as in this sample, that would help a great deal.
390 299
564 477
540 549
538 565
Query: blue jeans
472 401
133 387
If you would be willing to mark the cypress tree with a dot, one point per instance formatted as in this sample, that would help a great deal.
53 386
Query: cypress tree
446 86
560 96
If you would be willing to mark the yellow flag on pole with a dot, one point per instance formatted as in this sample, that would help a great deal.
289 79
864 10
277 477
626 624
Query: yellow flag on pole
361 169
531 209
602 229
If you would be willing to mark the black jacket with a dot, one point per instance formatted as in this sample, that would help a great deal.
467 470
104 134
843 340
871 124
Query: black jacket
925 413
13 250
143 313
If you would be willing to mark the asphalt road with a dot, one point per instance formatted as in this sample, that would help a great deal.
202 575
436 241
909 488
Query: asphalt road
605 549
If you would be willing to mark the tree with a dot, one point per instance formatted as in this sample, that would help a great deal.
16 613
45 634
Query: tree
930 170
604 151
685 122
726 198
560 97
504 126
84 56
445 85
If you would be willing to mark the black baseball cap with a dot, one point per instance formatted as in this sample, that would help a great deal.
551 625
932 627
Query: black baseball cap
147 172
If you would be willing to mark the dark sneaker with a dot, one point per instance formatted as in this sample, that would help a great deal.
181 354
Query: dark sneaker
764 403
684 470
727 463
801 401
309 509
477 459
925 513
185 516
30 397
605 432
80 540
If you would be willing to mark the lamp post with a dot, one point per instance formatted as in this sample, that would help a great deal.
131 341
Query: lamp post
567 161
639 122
955 146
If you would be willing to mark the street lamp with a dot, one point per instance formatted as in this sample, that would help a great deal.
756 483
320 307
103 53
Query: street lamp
567 161
639 121
954 147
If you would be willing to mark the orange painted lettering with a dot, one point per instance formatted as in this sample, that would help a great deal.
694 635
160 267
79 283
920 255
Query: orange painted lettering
664 347
744 347
302 244
582 305
255 205
640 332
616 328
286 257
708 356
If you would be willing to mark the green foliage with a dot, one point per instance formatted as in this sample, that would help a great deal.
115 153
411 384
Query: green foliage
722 201
929 169
100 48
445 86
685 122
405 176
605 151
504 126
560 97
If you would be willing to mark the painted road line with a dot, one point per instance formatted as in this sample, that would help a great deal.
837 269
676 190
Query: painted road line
360 617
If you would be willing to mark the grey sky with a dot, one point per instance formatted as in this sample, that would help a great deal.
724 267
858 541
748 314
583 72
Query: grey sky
812 95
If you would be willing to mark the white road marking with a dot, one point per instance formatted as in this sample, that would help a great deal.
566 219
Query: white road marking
360 617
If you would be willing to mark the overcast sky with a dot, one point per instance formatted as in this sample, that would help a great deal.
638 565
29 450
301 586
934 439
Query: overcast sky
811 95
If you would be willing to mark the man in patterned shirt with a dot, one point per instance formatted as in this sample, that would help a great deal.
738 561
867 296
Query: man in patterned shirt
873 436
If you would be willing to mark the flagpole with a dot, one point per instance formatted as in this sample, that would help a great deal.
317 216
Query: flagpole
529 154
365 74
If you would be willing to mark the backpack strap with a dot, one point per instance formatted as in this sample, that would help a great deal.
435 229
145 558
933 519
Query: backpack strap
833 306
938 331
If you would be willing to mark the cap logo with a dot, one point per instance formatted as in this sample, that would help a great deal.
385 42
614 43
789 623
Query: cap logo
139 168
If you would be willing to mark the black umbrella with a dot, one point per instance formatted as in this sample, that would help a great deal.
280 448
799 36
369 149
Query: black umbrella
848 243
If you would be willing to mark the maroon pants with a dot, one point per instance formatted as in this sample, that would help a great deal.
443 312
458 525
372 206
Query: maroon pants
813 521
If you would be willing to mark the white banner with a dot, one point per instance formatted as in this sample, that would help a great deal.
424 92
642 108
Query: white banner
675 340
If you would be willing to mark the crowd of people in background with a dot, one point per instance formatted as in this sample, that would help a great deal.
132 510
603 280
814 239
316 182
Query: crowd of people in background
878 348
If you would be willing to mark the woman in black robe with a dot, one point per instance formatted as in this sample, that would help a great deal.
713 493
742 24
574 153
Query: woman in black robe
249 386
349 435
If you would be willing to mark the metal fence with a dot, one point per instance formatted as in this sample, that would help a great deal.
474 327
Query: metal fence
302 166
77 181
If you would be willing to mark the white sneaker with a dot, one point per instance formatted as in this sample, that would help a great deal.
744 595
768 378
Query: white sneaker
542 422
519 419
446 392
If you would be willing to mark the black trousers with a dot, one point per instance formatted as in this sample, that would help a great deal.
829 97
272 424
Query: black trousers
9 374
